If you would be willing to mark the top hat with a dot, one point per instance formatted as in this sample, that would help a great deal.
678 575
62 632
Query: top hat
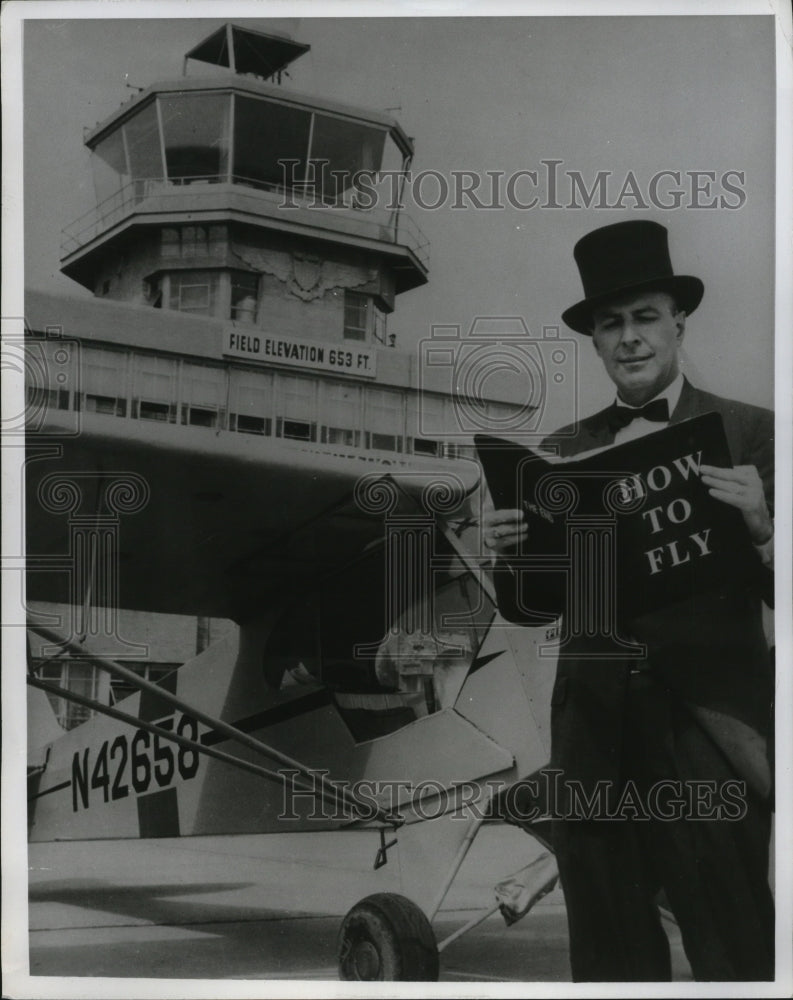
627 257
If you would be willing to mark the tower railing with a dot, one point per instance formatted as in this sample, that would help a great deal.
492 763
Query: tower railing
326 212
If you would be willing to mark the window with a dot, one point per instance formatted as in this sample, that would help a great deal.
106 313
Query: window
193 297
105 404
380 325
298 405
426 421
203 390
155 388
349 148
196 136
152 292
425 446
194 292
170 242
153 672
244 296
50 373
142 138
264 134
193 241
356 316
252 425
443 637
384 420
73 675
197 416
251 402
341 415
109 164
319 638
50 399
340 435
155 411
104 379
297 430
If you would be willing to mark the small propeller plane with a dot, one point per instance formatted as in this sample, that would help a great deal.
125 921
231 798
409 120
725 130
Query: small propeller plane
369 682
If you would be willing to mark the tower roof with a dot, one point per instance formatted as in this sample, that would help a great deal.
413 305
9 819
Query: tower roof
246 51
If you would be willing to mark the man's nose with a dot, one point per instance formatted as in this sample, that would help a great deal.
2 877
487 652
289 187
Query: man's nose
630 334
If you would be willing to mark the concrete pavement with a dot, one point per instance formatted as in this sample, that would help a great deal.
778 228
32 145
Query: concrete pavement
269 907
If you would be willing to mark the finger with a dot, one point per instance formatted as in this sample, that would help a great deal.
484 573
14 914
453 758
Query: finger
730 485
503 532
733 475
503 537
733 499
505 516
517 532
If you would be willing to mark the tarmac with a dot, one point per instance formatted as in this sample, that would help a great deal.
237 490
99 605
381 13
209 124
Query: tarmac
268 907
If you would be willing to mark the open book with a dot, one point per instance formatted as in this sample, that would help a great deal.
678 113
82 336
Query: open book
631 527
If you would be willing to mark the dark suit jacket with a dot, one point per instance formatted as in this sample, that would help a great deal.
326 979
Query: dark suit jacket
709 650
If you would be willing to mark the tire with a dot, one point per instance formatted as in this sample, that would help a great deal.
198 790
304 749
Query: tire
387 937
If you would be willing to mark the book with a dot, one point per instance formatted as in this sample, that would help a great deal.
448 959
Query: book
618 532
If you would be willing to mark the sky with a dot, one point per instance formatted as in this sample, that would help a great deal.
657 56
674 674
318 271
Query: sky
630 96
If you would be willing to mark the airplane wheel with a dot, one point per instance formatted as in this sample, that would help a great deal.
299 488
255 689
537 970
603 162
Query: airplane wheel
387 937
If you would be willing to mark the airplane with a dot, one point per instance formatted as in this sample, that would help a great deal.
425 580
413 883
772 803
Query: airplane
350 694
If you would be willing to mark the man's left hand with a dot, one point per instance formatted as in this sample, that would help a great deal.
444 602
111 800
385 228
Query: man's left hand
742 487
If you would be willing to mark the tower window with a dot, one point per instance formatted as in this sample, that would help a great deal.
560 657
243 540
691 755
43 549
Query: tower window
380 325
356 316
152 292
194 292
244 296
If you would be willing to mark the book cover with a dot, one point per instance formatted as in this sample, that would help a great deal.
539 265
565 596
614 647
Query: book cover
620 531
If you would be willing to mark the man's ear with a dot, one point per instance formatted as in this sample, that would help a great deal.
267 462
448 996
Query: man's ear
595 342
680 322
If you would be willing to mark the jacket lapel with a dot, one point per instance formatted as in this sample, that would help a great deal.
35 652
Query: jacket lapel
689 404
597 434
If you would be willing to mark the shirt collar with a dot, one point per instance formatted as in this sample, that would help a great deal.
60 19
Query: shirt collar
671 394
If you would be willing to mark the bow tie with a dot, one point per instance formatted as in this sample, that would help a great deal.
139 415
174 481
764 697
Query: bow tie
621 416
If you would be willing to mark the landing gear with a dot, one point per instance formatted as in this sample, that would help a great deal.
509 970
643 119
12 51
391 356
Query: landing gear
387 937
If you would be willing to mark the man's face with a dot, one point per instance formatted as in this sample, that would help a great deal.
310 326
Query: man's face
637 338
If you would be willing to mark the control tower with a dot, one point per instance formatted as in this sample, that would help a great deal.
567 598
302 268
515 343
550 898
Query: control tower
228 196
245 254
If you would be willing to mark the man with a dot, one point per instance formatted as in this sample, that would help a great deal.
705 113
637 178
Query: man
697 709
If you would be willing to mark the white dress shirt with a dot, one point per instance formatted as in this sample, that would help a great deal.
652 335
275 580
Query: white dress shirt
640 426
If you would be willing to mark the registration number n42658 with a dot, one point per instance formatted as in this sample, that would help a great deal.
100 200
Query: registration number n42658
133 762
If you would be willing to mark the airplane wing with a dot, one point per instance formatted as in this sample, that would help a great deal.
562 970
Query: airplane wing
203 523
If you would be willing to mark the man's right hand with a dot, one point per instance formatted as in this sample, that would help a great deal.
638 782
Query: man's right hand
503 528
